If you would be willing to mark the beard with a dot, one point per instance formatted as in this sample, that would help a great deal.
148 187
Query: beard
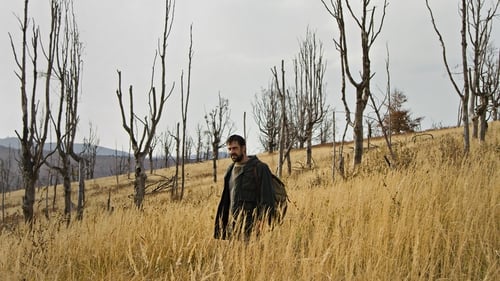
237 157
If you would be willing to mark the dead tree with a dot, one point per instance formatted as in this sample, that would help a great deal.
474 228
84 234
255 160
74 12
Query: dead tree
199 142
141 143
281 91
492 81
219 123
184 109
175 183
369 31
166 145
90 146
480 19
309 69
266 113
33 136
151 156
65 118
5 172
463 91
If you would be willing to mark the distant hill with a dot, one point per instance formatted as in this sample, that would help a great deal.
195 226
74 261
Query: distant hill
14 144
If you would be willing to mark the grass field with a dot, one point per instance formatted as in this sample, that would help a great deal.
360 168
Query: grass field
434 216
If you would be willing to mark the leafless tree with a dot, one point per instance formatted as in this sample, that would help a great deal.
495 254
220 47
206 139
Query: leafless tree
184 109
480 18
369 31
151 156
281 91
218 124
464 91
90 147
325 129
492 81
266 113
175 184
5 172
166 144
33 136
121 165
141 143
65 118
199 142
309 70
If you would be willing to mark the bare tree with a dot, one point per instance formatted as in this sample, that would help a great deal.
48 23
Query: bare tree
309 69
281 91
493 82
218 124
199 142
266 113
33 136
121 165
325 129
166 144
463 92
90 147
369 31
175 189
141 143
151 156
184 108
5 172
479 28
65 119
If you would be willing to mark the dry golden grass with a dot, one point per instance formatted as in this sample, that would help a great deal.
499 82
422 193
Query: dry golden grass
435 216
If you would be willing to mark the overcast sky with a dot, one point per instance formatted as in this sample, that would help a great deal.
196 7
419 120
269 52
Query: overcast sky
236 43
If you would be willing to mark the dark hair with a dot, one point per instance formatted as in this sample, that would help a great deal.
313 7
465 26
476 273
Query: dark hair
241 141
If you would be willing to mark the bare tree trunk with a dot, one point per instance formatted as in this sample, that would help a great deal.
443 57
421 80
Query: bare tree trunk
334 152
140 180
283 133
464 95
68 205
215 157
184 109
358 129
81 189
175 189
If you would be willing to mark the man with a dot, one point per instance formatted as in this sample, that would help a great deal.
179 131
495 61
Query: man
247 198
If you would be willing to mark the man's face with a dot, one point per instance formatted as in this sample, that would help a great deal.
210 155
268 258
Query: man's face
236 151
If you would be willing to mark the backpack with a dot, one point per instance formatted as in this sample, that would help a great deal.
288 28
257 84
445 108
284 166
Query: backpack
280 196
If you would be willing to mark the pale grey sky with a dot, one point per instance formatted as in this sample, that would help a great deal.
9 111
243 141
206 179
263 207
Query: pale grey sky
236 43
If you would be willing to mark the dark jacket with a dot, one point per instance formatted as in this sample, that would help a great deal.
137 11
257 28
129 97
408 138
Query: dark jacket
253 193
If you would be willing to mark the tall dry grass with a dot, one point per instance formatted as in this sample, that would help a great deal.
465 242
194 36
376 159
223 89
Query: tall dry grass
435 216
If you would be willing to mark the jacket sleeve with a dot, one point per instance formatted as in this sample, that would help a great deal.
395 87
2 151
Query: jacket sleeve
266 197
222 215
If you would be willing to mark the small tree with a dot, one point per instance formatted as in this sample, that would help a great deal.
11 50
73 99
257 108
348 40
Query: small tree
266 113
218 124
5 171
309 91
199 143
184 109
90 147
398 119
